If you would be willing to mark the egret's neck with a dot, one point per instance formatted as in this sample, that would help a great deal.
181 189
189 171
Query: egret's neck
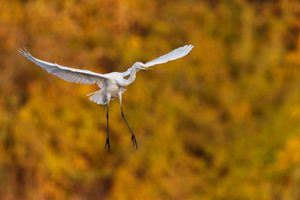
132 75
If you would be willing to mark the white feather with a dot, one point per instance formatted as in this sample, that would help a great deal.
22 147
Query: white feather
66 73
173 55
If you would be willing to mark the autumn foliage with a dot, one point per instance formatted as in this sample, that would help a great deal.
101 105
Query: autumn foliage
221 123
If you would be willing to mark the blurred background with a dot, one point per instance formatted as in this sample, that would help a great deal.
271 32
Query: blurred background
220 123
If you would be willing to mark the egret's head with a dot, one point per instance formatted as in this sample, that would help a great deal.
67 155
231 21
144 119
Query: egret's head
138 66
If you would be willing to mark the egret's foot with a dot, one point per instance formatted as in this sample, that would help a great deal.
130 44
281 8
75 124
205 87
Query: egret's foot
107 145
134 143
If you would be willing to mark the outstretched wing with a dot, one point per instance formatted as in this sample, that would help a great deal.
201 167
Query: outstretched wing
66 73
175 54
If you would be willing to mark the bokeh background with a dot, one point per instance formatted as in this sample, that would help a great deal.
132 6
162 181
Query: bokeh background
221 123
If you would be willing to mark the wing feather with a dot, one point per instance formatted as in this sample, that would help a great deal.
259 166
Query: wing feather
66 73
175 54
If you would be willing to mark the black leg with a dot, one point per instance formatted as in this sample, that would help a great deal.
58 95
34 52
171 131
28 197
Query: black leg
107 144
133 139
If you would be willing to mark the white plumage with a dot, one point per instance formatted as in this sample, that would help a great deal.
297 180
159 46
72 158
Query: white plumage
173 55
111 85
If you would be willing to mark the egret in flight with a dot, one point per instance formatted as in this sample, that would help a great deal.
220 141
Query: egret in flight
112 85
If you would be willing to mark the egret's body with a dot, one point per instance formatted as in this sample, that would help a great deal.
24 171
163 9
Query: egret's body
112 85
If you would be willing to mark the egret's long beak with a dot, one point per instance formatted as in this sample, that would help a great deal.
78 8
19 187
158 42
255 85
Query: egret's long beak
144 68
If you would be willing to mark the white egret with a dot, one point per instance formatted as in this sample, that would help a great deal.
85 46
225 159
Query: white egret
111 85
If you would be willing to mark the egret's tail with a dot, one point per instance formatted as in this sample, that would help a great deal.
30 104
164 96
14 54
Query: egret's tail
99 97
